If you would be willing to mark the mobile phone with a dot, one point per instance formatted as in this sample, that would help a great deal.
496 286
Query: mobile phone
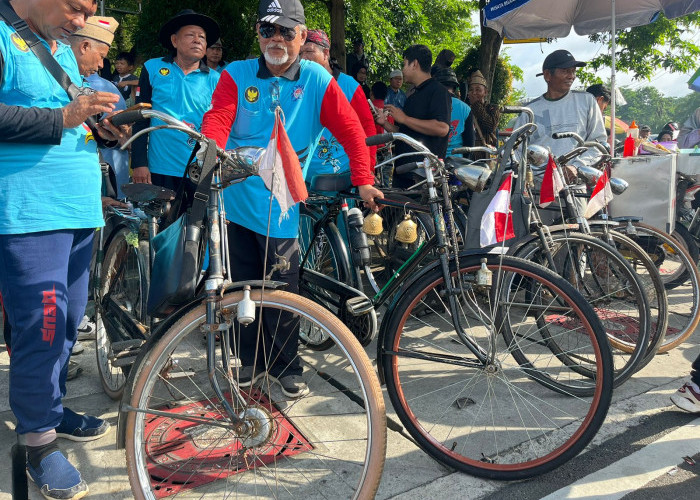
372 107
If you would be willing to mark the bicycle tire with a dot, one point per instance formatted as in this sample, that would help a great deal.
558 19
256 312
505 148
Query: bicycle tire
687 242
124 279
172 375
613 288
329 256
684 315
648 273
482 420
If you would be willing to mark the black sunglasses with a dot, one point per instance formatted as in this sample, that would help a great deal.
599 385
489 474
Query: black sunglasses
268 30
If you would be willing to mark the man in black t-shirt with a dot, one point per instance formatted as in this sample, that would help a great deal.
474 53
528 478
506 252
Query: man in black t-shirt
426 114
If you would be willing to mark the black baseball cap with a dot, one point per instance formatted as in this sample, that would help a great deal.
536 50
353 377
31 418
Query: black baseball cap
560 59
287 13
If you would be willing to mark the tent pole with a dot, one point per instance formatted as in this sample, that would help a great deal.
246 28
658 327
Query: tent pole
612 82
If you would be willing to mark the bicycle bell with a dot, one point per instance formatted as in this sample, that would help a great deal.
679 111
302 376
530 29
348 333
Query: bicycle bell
406 231
618 186
475 177
373 224
537 155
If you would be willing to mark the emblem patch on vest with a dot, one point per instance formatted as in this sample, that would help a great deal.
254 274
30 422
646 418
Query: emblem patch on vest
252 94
19 42
164 71
298 92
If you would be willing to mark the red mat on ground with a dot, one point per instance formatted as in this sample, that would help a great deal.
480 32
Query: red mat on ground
182 455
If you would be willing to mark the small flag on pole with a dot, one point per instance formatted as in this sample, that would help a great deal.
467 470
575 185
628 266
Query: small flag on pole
497 221
280 169
552 183
602 195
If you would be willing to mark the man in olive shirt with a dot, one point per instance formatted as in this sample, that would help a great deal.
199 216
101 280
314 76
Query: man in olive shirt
426 114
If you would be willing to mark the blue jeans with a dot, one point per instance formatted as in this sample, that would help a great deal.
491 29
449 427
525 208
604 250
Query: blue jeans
44 285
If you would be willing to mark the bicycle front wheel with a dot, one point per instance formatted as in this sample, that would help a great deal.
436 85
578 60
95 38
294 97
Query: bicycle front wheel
329 443
509 417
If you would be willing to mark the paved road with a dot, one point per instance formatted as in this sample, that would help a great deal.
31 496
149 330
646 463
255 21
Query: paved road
637 454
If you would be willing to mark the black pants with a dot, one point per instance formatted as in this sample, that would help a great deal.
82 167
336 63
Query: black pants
278 348
695 371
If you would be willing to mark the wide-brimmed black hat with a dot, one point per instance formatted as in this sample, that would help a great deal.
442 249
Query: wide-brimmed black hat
188 17
560 59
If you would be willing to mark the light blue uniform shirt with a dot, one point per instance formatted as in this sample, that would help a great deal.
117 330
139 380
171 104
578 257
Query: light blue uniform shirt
460 112
248 202
187 98
329 156
45 187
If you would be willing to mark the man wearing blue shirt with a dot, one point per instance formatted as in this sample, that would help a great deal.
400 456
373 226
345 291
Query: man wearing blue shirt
395 96
329 156
244 108
180 85
459 135
49 207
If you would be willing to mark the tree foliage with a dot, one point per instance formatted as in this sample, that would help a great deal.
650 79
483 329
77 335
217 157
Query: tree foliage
642 51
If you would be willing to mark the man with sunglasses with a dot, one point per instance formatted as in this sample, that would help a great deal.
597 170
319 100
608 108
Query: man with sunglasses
180 85
243 114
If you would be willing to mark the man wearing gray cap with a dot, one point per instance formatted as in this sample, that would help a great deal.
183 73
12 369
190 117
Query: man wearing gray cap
246 102
561 109
395 96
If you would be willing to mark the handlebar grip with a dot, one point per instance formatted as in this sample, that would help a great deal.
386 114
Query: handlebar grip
408 167
376 140
515 110
127 117
562 135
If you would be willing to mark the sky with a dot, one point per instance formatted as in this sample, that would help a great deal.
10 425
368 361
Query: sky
529 57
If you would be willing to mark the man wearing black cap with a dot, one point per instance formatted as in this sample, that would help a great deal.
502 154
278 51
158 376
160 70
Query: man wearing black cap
245 104
561 109
181 85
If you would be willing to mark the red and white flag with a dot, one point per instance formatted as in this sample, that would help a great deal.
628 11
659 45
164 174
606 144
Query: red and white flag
552 183
602 195
497 221
280 169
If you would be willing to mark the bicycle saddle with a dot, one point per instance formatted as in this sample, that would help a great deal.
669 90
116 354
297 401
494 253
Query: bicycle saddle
331 182
147 192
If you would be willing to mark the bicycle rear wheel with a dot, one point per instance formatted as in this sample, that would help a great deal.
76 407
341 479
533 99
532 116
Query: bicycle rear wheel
674 262
512 417
329 443
123 290
603 276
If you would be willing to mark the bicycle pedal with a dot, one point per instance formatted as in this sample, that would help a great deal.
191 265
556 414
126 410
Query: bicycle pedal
357 306
124 361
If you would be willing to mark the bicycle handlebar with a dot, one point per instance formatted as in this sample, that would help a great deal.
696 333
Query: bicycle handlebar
476 149
579 140
408 167
518 110
376 140
127 117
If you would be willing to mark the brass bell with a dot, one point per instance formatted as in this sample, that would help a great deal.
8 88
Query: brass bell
406 231
373 224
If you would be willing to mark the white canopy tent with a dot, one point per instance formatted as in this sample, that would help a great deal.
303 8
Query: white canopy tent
517 19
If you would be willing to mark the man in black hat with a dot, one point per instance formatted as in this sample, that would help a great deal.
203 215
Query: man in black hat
249 97
561 109
181 85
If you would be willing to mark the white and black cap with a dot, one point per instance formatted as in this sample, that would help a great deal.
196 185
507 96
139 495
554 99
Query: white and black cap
287 13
